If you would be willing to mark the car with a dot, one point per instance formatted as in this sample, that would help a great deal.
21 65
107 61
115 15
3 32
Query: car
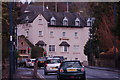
30 63
51 65
71 69
22 62
41 61
61 57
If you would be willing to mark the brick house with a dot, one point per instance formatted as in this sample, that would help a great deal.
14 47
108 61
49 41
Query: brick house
24 47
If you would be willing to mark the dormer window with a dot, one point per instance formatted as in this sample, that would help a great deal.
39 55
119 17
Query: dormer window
65 21
77 22
53 21
90 21
27 19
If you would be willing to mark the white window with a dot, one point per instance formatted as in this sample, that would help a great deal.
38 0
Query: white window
64 48
76 34
40 21
53 21
27 33
40 33
51 33
27 19
76 48
64 34
65 21
52 48
77 22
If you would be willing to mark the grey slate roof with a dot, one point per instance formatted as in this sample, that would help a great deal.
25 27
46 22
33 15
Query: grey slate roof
34 11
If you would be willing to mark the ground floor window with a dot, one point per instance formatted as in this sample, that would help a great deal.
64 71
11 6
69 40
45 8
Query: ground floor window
64 48
23 51
76 48
52 48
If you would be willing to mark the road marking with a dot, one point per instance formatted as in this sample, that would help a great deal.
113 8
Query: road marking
40 76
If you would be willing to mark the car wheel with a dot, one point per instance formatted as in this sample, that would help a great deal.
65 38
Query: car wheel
46 73
83 78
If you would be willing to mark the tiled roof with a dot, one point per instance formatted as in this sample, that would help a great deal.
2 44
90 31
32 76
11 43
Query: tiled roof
33 11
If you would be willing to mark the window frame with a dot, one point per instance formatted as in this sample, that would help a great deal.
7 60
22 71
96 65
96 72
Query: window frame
40 33
65 48
76 48
76 34
53 22
52 48
27 33
51 34
40 21
63 34
65 21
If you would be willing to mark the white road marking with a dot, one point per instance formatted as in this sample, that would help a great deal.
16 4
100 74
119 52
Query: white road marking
40 76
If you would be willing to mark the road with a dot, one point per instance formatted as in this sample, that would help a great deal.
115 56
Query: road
91 74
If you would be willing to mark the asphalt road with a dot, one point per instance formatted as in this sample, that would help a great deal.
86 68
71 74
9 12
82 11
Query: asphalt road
91 74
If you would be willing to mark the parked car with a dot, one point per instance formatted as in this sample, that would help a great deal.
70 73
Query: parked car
41 61
52 65
22 62
30 63
71 70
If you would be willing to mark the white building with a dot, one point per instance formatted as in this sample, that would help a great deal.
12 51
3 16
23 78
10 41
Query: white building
60 33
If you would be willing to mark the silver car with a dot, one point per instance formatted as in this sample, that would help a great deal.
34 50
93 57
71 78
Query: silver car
52 65
30 63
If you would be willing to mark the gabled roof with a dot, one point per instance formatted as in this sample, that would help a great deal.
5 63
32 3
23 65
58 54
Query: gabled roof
33 11
27 41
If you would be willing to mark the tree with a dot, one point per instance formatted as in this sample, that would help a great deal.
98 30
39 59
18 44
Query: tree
6 26
117 25
37 52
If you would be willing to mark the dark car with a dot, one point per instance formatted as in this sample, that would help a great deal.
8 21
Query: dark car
41 61
71 70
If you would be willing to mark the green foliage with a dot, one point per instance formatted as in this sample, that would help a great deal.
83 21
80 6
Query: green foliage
17 54
37 52
87 48
98 10
6 26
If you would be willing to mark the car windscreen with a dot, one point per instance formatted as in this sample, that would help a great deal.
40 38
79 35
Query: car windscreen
29 60
52 61
75 64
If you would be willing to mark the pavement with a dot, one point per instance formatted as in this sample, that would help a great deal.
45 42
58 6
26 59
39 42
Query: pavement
104 68
24 74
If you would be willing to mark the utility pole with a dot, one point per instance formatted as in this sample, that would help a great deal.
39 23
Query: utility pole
11 44
115 36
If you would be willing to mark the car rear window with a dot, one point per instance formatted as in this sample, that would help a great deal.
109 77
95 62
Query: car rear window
74 64
33 60
41 59
51 61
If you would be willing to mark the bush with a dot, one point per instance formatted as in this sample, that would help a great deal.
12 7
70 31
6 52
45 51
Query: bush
36 52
